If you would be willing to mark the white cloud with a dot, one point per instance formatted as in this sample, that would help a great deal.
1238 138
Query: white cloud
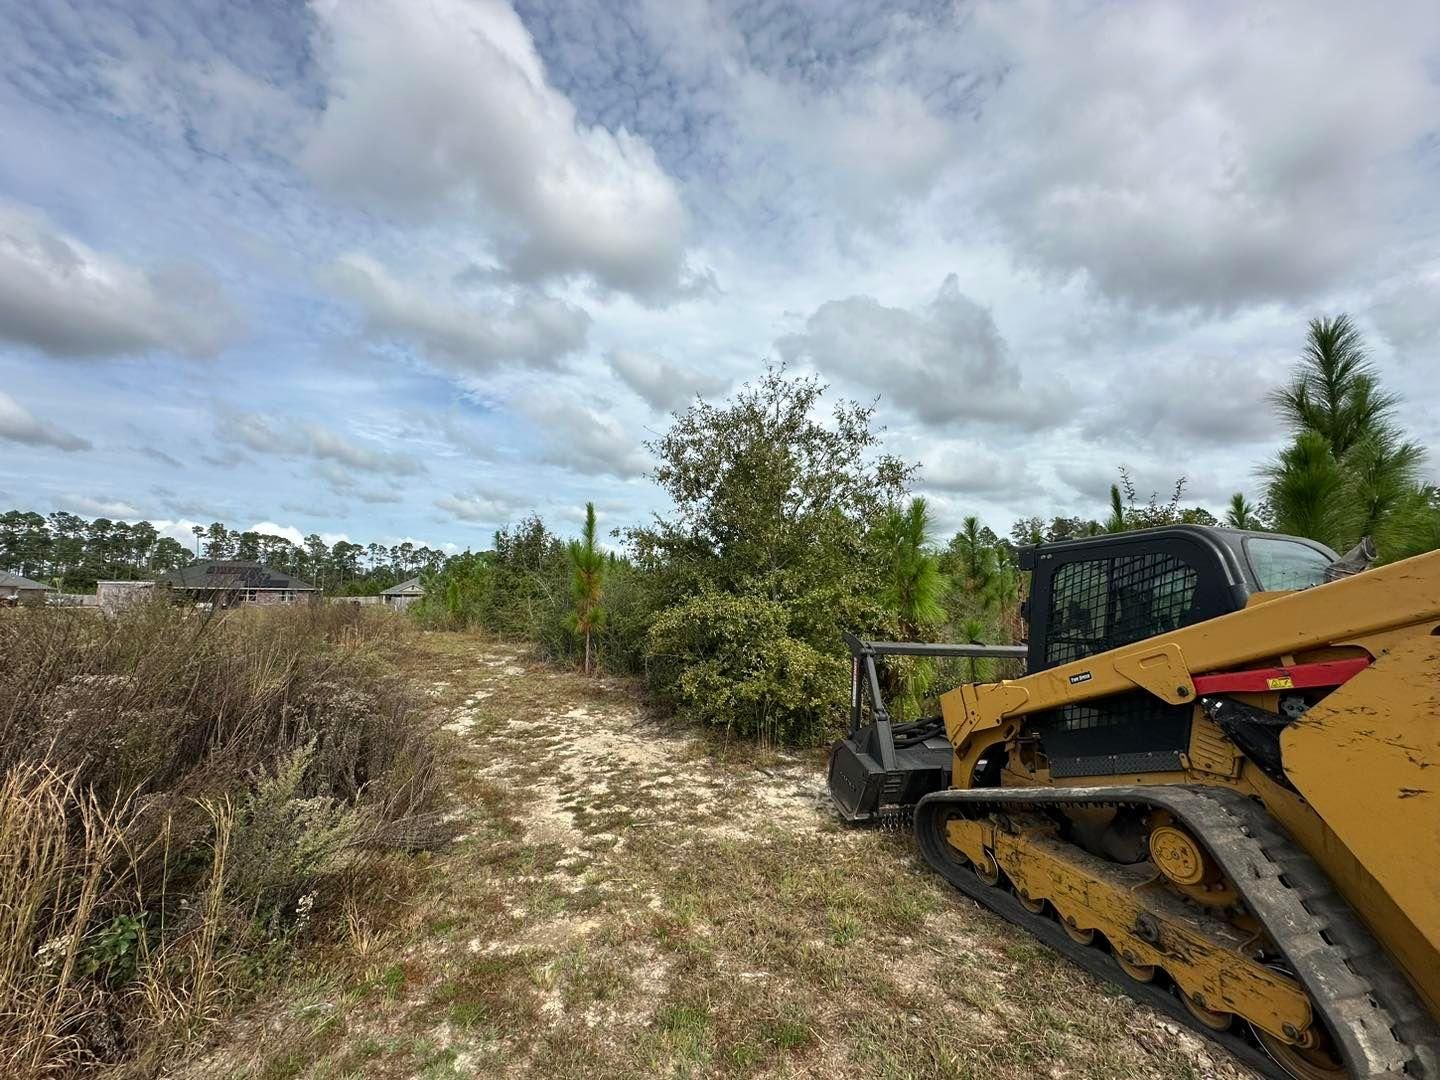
342 480
18 425
1191 399
529 330
178 530
664 386
1152 479
106 508
445 106
1407 312
478 508
869 145
970 468
943 362
294 535
583 438
270 528
1204 155
447 547
292 438
68 300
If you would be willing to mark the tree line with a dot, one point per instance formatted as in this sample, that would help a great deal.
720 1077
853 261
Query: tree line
72 553
785 531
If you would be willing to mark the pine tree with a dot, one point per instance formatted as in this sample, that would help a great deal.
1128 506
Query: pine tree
1116 521
587 585
1350 472
912 590
1241 513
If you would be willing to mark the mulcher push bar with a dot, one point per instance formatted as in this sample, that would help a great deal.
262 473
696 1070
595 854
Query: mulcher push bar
862 667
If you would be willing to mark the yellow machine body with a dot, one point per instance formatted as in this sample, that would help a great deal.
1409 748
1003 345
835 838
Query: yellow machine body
1360 791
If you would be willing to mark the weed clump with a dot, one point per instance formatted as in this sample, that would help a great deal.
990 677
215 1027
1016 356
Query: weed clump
183 799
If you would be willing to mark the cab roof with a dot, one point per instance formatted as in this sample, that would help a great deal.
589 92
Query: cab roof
1228 545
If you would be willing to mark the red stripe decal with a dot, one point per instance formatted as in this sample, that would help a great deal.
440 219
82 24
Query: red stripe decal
1298 677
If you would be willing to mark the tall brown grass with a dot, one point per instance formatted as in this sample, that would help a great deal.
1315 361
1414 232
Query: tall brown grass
182 800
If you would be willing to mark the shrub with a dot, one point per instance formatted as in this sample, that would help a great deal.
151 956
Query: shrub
730 661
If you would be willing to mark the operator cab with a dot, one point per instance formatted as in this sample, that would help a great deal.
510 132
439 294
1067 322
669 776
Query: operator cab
1097 593
1086 596
1094 594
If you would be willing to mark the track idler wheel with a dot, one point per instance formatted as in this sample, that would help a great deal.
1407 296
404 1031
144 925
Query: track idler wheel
1187 866
1035 905
1080 937
1139 972
1316 1062
988 870
1215 1021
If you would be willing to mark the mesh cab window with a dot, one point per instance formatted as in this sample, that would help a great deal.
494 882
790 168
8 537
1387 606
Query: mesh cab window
1101 604
1283 564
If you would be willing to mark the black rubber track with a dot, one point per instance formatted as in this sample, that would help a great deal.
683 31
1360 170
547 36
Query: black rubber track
1377 1021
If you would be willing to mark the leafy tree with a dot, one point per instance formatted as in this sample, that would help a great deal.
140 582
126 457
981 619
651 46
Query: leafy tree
1027 532
247 546
913 584
971 553
1034 530
170 554
1306 490
143 539
768 553
587 584
1335 389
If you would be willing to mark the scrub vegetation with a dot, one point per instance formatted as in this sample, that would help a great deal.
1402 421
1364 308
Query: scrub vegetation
183 802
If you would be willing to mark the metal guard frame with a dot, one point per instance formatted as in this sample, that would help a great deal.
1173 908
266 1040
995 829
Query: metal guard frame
863 676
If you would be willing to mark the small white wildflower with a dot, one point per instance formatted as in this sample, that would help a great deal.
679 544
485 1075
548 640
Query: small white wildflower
303 907
48 956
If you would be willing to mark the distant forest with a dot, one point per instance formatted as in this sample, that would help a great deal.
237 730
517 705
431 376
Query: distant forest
73 553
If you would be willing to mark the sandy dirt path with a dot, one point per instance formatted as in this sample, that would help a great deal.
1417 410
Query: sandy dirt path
626 900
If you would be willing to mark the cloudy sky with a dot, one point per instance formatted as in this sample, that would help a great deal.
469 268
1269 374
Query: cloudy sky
408 268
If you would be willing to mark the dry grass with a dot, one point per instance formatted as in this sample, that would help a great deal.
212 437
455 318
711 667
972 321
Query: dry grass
183 801
627 900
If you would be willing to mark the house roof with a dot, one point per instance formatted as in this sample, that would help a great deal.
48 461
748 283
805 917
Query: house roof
232 574
406 588
15 581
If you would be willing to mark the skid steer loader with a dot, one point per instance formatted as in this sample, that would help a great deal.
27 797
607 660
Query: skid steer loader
1217 786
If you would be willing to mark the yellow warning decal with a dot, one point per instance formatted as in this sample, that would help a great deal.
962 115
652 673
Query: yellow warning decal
1284 682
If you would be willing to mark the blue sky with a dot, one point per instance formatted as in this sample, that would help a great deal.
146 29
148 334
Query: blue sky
397 269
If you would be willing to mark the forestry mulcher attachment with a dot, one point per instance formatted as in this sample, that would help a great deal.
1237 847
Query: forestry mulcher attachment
1218 786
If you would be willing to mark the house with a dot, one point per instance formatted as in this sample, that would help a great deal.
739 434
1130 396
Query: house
399 597
232 582
15 589
111 596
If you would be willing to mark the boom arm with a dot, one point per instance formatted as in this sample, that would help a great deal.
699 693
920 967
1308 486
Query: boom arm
1356 610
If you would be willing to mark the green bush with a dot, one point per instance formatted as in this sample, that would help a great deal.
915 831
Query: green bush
523 589
730 662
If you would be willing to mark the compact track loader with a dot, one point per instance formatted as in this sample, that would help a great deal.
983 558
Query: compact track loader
1217 786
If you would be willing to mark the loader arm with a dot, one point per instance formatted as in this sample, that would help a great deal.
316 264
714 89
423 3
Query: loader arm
1367 611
